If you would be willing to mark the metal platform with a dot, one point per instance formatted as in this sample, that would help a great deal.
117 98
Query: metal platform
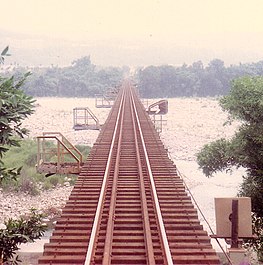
85 119
107 99
56 155
101 102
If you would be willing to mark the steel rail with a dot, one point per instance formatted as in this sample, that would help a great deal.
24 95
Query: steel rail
82 227
146 221
167 251
110 224
102 193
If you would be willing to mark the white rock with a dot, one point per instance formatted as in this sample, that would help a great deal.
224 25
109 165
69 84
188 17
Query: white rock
2 227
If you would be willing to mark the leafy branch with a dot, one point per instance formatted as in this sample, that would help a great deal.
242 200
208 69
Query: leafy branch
15 232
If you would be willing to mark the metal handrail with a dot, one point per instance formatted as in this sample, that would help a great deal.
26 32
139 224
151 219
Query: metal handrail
40 154
66 141
92 115
87 111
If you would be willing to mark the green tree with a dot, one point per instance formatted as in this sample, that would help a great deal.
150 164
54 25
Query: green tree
245 149
15 106
80 79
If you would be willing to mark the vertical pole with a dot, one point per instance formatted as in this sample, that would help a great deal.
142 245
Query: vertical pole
44 149
74 117
58 154
86 117
234 228
38 155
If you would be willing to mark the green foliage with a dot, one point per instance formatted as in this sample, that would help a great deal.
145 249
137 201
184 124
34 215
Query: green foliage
15 106
15 232
257 242
10 173
192 80
84 79
215 157
81 79
25 154
54 180
246 147
24 158
252 187
245 100
244 103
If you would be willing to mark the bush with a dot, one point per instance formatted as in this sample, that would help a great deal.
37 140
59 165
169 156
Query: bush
25 154
256 243
27 185
15 106
15 232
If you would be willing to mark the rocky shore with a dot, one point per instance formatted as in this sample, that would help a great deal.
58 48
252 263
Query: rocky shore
50 202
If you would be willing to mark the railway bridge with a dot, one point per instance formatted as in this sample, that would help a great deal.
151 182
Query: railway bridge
128 205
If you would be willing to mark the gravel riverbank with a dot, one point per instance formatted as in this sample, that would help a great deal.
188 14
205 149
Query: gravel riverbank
13 205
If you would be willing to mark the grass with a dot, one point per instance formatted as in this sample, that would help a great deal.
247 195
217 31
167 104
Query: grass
30 181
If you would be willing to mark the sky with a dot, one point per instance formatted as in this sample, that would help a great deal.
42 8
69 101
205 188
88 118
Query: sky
132 32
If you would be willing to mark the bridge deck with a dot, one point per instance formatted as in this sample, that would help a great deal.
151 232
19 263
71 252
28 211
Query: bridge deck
128 205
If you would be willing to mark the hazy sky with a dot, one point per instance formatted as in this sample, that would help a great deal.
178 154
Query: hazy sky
136 31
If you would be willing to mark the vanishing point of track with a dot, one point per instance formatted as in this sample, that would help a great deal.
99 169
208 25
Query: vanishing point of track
128 205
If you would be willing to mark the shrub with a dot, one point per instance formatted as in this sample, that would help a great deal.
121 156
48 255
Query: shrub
15 232
257 242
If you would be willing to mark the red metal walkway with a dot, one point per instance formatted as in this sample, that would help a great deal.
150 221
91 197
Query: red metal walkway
128 205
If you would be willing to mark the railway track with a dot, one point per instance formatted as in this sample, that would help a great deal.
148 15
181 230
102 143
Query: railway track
128 205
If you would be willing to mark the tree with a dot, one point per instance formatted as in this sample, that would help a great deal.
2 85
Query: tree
80 79
15 106
149 81
243 103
